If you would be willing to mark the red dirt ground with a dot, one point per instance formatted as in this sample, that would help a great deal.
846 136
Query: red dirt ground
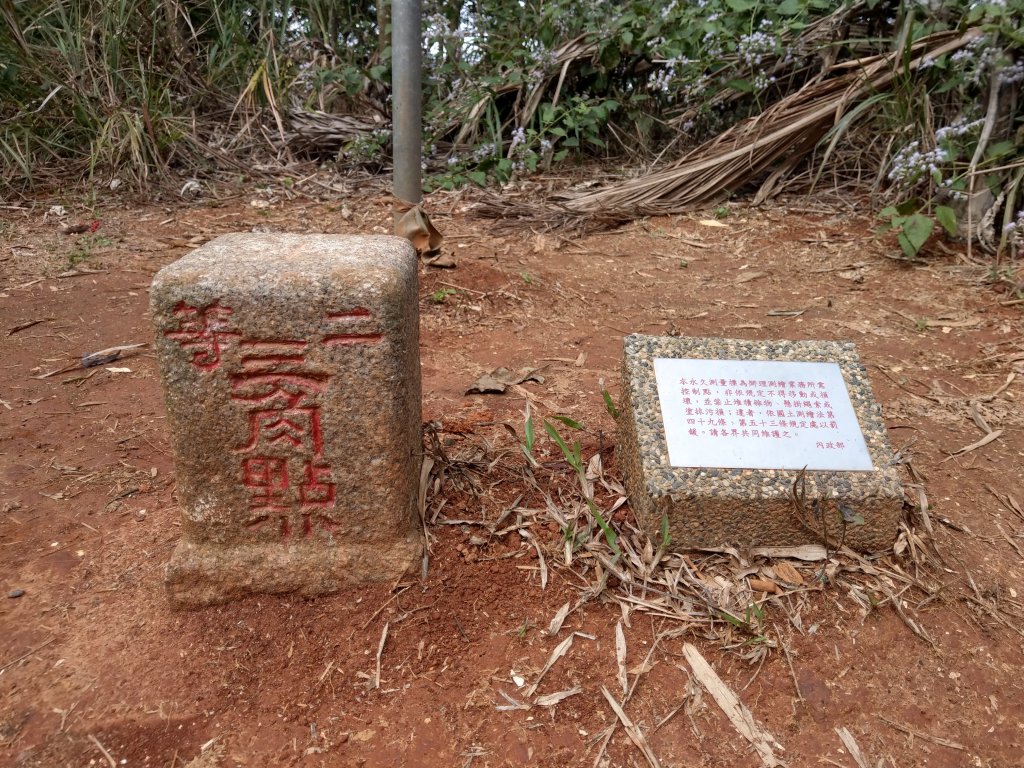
95 669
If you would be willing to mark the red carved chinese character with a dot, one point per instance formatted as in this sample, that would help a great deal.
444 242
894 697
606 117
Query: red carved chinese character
203 330
280 390
267 481
346 338
294 428
317 490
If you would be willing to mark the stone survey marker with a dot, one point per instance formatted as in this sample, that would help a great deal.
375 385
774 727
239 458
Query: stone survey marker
714 432
290 366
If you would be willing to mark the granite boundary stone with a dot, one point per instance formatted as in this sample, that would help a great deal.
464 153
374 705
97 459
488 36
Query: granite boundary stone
290 366
709 507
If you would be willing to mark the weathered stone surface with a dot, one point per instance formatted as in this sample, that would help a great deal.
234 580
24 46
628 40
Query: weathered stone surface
290 366
714 506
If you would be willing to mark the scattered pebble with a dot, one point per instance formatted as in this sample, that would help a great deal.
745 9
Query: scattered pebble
15 593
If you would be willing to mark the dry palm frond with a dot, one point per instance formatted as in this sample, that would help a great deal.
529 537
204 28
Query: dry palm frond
765 148
312 132
577 50
780 138
529 95
818 39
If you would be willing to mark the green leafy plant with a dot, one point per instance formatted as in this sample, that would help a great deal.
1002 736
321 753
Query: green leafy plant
440 296
751 623
147 89
568 421
84 247
913 227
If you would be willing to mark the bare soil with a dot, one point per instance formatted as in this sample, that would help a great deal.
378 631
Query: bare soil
95 669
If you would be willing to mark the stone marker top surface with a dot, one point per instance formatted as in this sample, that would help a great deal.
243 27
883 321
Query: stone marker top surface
303 270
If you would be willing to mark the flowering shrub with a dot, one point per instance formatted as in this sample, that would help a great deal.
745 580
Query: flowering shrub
935 169
658 70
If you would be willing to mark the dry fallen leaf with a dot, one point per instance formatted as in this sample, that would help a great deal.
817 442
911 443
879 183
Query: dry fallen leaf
553 698
994 435
414 225
620 657
742 719
558 620
748 276
499 380
765 585
788 573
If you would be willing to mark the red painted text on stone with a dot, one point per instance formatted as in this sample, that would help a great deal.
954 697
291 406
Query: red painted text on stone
203 331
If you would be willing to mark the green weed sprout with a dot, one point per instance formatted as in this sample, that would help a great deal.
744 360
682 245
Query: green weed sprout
574 456
609 404
530 436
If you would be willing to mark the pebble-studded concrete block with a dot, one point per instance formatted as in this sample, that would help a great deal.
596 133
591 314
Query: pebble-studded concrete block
290 366
714 506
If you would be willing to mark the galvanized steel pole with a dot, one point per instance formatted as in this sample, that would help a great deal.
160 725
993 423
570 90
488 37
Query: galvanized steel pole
407 99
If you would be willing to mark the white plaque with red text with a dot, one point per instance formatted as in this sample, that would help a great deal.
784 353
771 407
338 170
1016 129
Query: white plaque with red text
758 414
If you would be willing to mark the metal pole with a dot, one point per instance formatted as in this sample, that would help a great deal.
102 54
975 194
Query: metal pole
407 99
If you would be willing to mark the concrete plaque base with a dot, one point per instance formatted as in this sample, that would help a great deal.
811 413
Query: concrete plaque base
726 406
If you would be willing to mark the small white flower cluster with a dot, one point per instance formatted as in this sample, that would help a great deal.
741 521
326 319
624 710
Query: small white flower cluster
443 40
954 194
483 152
369 146
521 149
1015 227
957 129
697 89
439 27
910 164
762 80
662 81
1012 73
713 48
753 48
544 61
975 59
